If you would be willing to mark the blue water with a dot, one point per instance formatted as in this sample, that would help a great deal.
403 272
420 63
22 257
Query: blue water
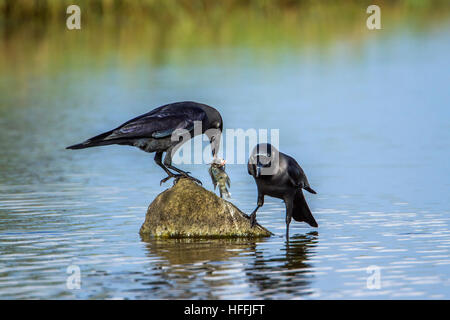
369 124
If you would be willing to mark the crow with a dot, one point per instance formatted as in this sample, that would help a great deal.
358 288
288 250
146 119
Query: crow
165 129
279 175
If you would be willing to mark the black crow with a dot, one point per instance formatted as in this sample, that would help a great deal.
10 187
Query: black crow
159 131
279 175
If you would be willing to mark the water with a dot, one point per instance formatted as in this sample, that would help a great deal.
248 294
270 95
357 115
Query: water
369 125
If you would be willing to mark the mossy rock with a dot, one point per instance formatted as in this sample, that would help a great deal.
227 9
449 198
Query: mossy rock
188 210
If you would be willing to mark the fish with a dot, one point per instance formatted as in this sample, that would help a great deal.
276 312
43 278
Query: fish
219 177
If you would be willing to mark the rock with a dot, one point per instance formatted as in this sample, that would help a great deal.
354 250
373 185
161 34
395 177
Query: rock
189 210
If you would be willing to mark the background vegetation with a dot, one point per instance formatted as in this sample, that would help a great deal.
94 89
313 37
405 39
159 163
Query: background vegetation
34 37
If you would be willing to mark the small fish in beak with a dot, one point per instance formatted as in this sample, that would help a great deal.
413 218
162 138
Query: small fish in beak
219 177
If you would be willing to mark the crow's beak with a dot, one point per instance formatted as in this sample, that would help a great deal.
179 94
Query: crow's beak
211 141
258 171
215 144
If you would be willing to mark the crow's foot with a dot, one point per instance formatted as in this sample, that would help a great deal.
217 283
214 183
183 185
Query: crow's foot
188 177
178 177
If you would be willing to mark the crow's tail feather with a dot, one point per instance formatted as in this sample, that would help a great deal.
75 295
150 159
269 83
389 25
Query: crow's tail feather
310 190
301 211
94 142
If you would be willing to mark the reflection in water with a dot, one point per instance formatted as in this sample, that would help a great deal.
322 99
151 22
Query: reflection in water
284 273
189 251
233 267
196 268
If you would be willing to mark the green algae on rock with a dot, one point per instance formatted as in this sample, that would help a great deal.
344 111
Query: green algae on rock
188 210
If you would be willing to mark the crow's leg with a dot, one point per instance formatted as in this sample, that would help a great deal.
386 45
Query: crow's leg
178 170
182 174
259 205
289 201
158 160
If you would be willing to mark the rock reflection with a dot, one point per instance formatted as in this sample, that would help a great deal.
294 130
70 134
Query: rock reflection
197 268
190 251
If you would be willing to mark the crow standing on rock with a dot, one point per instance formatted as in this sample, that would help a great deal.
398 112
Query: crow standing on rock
154 131
279 175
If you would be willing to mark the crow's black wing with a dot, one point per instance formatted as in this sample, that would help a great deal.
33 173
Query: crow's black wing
295 172
297 176
157 125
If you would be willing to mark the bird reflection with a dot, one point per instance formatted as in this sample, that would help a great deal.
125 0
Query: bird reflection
285 274
214 268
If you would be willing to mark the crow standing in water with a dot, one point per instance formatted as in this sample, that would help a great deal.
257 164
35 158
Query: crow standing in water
279 175
152 132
